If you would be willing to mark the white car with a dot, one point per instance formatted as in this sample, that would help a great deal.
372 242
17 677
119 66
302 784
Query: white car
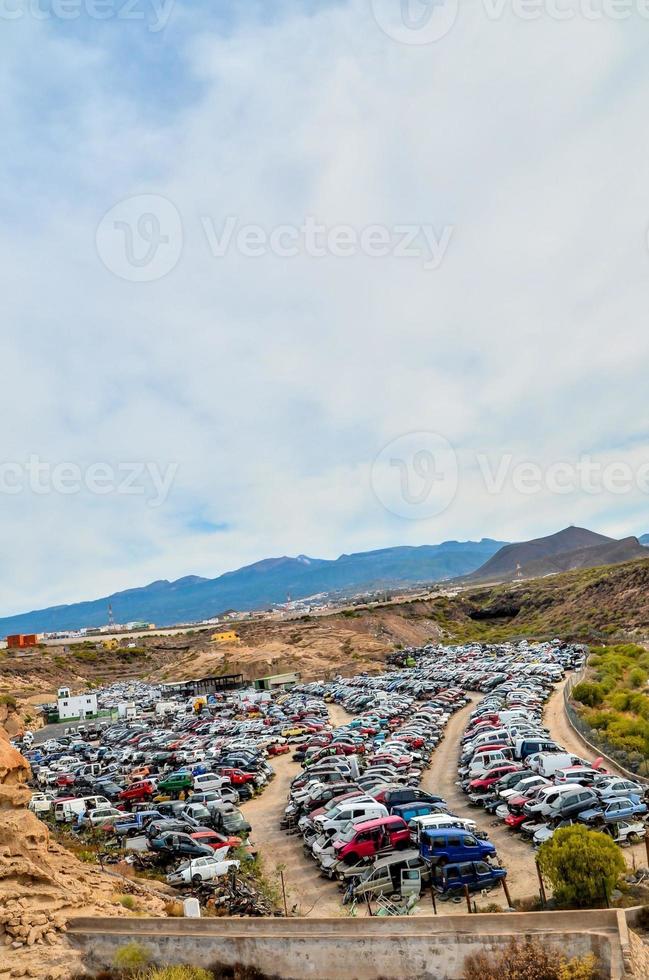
612 787
201 869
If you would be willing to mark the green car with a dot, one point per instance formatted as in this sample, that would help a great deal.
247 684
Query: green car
176 782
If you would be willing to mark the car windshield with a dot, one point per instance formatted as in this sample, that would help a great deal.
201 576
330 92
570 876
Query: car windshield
348 833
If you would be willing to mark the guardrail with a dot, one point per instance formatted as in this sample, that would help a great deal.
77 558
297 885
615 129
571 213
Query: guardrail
590 737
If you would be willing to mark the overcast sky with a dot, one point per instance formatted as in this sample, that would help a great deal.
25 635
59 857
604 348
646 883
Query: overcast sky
474 296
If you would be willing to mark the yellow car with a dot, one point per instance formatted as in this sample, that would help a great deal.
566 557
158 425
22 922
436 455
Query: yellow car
290 732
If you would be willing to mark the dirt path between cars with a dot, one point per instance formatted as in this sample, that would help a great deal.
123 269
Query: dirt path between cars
562 731
513 853
307 892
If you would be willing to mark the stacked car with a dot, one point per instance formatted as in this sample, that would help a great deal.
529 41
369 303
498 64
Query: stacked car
511 767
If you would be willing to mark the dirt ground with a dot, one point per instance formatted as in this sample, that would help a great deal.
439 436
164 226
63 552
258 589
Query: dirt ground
516 855
306 890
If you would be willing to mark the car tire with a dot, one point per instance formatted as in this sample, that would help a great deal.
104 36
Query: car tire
197 880
634 838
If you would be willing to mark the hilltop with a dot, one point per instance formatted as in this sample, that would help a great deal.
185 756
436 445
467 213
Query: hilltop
574 547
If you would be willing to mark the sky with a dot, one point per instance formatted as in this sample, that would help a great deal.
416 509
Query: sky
316 278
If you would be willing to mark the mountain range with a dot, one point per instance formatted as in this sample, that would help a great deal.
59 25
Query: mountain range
273 580
266 583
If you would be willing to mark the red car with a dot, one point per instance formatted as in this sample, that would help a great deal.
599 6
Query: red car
278 749
514 820
140 791
367 839
237 776
492 776
65 779
214 840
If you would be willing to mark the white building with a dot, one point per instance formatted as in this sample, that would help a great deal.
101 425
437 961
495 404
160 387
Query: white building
76 706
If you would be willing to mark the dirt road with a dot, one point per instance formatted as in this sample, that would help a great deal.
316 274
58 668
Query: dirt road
306 890
513 853
561 730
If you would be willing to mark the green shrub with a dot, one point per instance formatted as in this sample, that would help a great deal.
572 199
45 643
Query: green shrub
588 693
638 677
128 902
9 700
580 864
131 959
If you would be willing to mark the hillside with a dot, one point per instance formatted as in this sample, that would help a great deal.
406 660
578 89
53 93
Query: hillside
263 584
573 547
590 605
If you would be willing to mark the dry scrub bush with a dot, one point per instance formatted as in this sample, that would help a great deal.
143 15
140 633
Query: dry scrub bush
528 961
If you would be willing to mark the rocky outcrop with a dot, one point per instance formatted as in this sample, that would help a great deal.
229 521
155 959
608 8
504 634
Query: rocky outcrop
41 883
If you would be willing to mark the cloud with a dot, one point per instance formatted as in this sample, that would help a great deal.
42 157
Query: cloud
273 383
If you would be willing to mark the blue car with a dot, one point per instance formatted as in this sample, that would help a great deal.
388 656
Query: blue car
450 879
449 845
614 809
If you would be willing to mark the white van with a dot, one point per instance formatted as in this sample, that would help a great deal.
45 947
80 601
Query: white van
486 760
67 810
41 803
494 735
208 781
549 763
435 821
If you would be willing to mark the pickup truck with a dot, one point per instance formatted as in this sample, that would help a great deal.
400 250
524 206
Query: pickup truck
133 823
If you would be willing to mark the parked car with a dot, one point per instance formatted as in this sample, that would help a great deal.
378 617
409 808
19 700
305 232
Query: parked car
172 843
451 879
449 846
614 809
177 782
367 839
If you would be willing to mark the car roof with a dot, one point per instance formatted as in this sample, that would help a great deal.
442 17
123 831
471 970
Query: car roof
379 822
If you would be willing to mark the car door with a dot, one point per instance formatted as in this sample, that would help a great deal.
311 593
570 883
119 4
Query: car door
617 809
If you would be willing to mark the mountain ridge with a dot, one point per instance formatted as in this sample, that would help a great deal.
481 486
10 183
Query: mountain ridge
260 585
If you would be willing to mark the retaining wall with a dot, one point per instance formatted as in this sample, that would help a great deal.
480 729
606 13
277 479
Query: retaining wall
349 949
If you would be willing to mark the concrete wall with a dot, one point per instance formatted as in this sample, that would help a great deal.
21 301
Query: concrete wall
349 949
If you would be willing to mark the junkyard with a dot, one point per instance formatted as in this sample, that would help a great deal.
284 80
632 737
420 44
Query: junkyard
337 797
